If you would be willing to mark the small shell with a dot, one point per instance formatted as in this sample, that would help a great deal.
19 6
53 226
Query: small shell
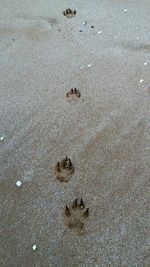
34 247
18 183
84 23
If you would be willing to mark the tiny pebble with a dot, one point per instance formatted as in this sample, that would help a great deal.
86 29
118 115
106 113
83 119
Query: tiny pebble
99 32
145 64
137 38
141 80
125 10
92 26
81 68
2 138
80 30
18 183
89 65
34 247
93 52
115 36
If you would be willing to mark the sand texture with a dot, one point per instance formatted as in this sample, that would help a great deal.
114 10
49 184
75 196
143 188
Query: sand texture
105 132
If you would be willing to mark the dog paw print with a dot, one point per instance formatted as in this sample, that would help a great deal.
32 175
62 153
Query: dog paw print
69 13
64 169
73 93
76 215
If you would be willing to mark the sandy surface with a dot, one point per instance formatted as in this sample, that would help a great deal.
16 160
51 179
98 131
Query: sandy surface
106 132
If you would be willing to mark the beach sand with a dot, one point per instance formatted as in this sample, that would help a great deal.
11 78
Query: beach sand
105 132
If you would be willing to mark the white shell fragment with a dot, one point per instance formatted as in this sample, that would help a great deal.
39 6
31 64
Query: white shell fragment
137 37
141 80
89 65
84 23
125 10
99 31
2 138
34 247
18 183
145 63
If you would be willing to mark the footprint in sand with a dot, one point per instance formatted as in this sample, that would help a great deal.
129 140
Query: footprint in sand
73 93
69 13
76 215
64 169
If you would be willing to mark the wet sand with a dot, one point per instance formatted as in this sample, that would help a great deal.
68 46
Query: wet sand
105 132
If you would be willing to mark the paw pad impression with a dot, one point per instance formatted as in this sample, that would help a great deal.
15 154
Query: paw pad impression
64 169
73 93
76 215
69 13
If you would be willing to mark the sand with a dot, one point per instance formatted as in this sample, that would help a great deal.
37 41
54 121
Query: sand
105 132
